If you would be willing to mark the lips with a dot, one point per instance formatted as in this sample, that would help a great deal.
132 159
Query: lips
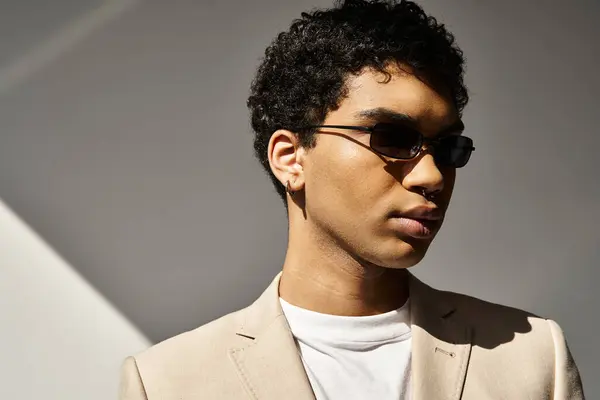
417 228
420 222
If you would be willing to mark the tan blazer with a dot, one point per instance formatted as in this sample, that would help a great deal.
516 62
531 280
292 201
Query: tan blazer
463 348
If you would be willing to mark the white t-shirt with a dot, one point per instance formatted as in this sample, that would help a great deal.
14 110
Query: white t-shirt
349 358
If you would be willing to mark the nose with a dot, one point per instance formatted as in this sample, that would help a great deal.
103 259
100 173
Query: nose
423 175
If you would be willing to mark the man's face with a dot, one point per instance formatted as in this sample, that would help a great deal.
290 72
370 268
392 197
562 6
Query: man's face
358 197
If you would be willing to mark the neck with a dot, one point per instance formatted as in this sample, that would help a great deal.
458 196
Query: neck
320 276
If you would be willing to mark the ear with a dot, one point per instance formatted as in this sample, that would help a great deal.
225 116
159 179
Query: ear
286 159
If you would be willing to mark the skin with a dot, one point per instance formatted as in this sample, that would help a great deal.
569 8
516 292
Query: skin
344 256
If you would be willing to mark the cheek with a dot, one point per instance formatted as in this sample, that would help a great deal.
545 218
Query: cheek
345 177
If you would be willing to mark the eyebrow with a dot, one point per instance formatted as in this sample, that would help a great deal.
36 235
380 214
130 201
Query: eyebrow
388 115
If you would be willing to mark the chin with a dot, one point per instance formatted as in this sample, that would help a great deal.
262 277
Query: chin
403 262
407 255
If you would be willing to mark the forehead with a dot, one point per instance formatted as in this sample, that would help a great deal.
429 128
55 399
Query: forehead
403 93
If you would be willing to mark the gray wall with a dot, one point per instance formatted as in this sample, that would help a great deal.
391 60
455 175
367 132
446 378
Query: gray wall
125 143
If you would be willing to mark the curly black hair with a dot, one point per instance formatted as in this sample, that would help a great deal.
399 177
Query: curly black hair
303 74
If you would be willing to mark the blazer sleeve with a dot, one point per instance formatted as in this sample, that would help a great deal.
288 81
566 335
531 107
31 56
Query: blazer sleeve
131 386
567 382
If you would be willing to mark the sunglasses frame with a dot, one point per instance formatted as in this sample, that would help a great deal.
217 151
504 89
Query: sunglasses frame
372 129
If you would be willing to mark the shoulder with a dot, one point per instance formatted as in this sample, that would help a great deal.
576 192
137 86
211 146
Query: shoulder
517 345
495 324
199 363
479 310
196 358
204 340
491 322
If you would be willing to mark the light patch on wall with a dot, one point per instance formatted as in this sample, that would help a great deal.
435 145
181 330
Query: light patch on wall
60 338
61 42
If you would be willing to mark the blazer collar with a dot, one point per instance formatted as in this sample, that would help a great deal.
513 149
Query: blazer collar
270 367
268 362
441 344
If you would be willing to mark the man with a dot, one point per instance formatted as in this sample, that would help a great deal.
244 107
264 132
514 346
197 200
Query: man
357 112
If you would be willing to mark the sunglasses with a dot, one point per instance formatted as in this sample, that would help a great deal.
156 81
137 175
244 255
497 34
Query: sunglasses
404 143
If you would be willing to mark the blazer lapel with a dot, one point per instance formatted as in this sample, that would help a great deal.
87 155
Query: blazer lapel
269 365
441 345
268 362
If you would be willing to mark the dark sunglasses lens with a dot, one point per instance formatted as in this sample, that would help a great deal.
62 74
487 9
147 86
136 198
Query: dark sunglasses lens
454 151
395 141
